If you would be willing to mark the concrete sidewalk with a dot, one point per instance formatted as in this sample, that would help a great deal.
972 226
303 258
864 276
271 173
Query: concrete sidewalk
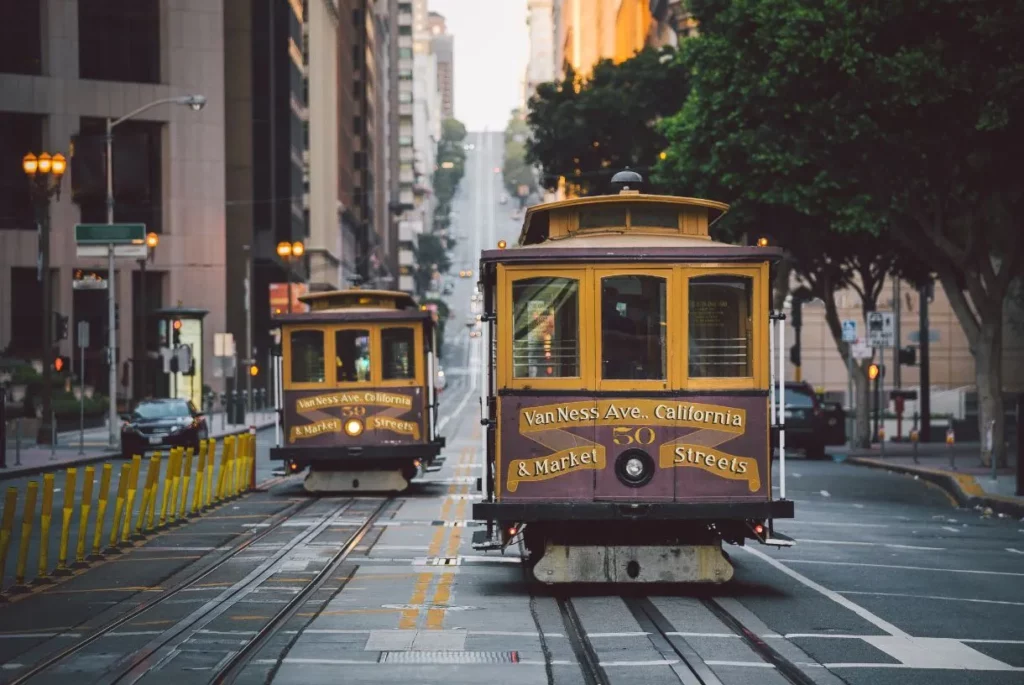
41 458
957 470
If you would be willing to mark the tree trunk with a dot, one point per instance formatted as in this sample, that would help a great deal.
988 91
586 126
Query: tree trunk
988 355
862 390
780 287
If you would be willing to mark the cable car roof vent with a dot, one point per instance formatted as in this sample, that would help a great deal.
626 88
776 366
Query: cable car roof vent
627 181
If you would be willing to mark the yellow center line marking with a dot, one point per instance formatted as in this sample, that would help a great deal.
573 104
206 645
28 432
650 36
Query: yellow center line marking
435 617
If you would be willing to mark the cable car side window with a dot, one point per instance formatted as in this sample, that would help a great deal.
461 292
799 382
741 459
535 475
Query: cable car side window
307 351
352 355
545 319
397 349
721 327
633 328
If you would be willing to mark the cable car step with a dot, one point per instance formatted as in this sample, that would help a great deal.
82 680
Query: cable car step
482 543
779 540
433 468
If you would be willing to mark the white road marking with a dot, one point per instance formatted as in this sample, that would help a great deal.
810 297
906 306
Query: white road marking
631 634
1015 551
951 529
859 506
876 621
836 524
655 662
133 633
752 664
905 568
824 493
936 652
939 597
682 634
869 544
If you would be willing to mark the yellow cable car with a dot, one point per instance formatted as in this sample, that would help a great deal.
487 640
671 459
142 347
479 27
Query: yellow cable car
360 406
631 403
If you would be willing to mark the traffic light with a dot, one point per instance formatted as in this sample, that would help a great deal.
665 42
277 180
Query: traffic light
61 364
908 356
874 370
174 365
176 333
254 370
60 326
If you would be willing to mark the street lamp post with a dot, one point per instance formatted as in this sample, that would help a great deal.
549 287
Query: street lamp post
247 249
152 240
196 103
290 252
45 174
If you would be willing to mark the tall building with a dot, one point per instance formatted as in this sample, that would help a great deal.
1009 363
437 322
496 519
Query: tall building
65 67
405 181
541 66
443 47
426 115
267 153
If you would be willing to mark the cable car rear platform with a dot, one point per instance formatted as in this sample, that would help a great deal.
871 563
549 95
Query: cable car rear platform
534 512
361 456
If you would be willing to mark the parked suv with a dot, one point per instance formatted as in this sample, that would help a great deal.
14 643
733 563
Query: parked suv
162 423
811 425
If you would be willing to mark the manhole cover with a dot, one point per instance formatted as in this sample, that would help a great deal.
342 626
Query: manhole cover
449 657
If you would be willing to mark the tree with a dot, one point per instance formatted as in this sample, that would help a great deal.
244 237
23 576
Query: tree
517 170
894 119
431 256
586 131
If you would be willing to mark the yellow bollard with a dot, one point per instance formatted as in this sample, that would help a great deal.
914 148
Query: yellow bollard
211 456
186 478
236 472
129 507
70 478
232 464
27 517
222 472
179 457
101 512
83 519
197 491
7 529
122 493
250 458
154 490
143 509
45 519
168 478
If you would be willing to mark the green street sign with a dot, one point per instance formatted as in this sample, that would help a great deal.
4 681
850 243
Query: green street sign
110 234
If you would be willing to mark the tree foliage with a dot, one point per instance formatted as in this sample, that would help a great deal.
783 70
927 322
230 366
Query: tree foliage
587 130
517 170
431 256
890 124
451 166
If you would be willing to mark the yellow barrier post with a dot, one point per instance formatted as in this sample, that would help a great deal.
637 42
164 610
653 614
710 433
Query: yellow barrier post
122 493
147 494
27 518
101 512
83 518
179 458
197 491
45 518
208 486
154 490
7 529
250 462
239 463
186 479
232 466
70 483
222 473
168 479
129 506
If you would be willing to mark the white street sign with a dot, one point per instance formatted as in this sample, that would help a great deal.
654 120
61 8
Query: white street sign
83 334
223 344
120 251
881 331
861 350
849 330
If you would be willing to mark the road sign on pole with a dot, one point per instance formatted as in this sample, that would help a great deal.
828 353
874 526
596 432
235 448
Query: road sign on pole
849 330
83 334
881 329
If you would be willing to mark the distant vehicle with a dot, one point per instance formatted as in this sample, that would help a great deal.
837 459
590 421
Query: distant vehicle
440 382
503 199
811 425
469 146
466 273
162 423
448 287
474 334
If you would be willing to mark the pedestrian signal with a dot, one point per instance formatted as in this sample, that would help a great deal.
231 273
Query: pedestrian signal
254 370
873 371
61 364
176 332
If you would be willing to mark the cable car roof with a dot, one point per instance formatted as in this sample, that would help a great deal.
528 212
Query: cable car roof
358 299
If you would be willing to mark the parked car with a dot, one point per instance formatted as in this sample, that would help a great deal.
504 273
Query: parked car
161 424
811 425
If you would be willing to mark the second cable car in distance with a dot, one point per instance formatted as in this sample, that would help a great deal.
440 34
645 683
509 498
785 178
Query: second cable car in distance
359 397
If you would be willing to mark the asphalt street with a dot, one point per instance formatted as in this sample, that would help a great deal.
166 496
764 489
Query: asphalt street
888 582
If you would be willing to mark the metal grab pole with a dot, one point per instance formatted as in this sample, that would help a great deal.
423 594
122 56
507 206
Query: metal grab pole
111 288
782 405
81 403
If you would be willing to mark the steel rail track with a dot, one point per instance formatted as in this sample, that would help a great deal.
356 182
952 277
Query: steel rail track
586 655
233 667
280 518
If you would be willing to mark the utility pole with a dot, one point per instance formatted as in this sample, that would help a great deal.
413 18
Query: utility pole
925 401
896 379
111 293
247 251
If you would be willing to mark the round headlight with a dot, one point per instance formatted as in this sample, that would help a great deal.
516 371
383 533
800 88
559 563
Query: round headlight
353 427
634 467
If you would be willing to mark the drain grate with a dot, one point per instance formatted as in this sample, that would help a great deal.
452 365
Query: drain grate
449 658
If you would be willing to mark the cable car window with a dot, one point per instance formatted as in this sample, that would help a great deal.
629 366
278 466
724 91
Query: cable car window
721 327
397 347
307 350
545 320
609 216
633 328
653 216
352 356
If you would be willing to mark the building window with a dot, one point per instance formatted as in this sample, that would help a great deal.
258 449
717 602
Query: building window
119 40
19 133
545 321
633 328
397 346
307 356
405 30
352 356
405 53
21 49
721 327
405 97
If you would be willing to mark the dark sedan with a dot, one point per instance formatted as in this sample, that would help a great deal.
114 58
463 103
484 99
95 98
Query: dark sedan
811 424
160 424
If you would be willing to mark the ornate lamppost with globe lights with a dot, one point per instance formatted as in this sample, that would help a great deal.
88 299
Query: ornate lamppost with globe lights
290 252
45 174
152 240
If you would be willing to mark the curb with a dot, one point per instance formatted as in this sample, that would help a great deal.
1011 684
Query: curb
961 487
23 471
